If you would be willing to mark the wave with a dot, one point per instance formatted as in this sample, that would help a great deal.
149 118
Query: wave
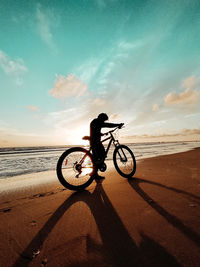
17 161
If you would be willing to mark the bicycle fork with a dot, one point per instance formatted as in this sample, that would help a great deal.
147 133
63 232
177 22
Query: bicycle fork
123 158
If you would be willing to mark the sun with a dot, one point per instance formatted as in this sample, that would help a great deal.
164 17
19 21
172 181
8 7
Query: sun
75 136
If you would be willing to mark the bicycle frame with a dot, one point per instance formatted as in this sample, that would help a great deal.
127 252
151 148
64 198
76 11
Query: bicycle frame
112 140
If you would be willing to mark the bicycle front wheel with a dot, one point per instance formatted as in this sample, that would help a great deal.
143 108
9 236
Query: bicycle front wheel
124 161
75 168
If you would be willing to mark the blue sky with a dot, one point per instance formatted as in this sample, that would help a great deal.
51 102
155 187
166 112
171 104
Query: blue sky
63 62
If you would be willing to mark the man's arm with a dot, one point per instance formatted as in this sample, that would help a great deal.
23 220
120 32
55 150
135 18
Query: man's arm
111 125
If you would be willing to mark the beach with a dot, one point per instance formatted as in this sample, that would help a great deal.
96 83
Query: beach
149 220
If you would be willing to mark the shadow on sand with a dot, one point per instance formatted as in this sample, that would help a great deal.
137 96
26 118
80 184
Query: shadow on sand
118 248
173 220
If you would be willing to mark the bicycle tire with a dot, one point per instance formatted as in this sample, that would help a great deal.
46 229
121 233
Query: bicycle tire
122 166
67 169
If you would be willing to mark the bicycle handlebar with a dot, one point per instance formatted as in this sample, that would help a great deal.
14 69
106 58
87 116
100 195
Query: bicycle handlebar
118 127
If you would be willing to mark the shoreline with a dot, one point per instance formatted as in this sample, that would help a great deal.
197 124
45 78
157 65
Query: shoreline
150 220
16 164
29 174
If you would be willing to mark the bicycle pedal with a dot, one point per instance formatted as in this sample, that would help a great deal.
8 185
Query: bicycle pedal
103 167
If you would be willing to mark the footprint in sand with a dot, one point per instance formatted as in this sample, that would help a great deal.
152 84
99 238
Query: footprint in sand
33 223
5 210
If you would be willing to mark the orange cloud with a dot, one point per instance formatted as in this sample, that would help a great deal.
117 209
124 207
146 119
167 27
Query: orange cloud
189 97
34 108
155 107
185 134
114 116
69 86
190 131
189 82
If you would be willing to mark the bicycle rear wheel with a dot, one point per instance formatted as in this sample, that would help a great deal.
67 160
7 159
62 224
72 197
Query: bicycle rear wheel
124 161
75 168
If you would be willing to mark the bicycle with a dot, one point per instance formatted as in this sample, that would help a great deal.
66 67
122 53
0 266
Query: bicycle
76 166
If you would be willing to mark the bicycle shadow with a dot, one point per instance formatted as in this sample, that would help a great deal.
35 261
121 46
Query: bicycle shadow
140 180
173 220
117 249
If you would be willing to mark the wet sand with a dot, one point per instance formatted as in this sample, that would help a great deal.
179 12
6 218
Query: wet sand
150 220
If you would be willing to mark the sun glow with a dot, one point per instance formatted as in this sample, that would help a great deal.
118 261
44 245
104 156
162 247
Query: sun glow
75 135
87 166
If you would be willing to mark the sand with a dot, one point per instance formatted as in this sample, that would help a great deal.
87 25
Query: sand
150 220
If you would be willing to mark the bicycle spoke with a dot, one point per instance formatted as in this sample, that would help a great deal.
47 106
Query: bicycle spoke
124 161
75 168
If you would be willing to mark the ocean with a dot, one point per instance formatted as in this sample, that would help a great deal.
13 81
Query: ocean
22 160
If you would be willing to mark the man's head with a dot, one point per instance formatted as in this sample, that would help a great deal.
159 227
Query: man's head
103 117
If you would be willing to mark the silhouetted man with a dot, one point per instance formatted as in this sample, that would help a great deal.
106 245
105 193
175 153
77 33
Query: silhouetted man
95 136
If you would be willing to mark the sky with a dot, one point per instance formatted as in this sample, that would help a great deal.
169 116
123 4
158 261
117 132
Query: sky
64 62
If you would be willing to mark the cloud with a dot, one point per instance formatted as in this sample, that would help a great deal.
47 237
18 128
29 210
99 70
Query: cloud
88 69
185 134
98 71
190 132
11 66
189 97
125 45
45 20
114 116
117 72
34 108
69 86
155 107
11 137
98 102
69 124
189 82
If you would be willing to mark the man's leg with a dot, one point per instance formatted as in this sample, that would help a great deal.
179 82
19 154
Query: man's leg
102 152
99 156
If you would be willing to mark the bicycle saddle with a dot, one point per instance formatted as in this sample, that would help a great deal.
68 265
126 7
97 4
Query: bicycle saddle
86 137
